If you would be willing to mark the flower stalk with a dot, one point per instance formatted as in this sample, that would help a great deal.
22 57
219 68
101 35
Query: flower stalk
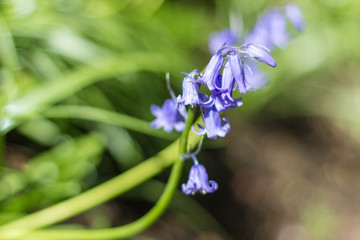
24 227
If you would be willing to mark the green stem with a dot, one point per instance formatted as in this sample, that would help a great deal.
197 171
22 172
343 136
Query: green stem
105 116
128 180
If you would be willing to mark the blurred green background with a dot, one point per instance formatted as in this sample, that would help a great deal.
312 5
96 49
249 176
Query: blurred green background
289 169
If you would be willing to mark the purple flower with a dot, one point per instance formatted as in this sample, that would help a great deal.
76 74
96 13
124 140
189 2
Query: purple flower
221 39
198 181
212 122
260 54
222 98
270 30
225 101
190 87
225 83
277 28
260 35
167 117
295 16
212 71
237 71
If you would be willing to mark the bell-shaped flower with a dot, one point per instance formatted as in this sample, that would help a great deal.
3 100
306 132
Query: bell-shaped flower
222 98
190 94
277 28
167 117
260 35
199 181
237 71
212 71
260 54
224 38
225 82
225 101
270 30
212 123
295 16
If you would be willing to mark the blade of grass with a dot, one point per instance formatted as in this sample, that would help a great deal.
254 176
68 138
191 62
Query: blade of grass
43 96
105 116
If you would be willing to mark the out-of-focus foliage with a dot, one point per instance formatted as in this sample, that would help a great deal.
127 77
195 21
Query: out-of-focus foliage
114 55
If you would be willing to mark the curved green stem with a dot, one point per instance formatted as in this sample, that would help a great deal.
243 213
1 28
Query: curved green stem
105 116
21 228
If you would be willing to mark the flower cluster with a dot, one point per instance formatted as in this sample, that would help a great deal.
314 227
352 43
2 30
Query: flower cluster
231 68
270 31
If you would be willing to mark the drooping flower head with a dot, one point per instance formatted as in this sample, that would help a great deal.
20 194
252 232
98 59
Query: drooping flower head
198 181
260 54
212 124
222 98
225 101
168 116
190 91
212 70
237 71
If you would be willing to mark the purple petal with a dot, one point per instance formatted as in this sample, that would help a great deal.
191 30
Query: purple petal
198 181
277 28
168 116
155 110
201 132
237 71
261 54
260 35
226 82
212 71
295 16
224 129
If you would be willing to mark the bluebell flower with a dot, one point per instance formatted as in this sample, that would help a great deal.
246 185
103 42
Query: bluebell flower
212 122
260 35
260 54
270 30
237 71
168 116
190 87
278 28
222 98
225 82
212 71
225 101
198 181
295 16
221 39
